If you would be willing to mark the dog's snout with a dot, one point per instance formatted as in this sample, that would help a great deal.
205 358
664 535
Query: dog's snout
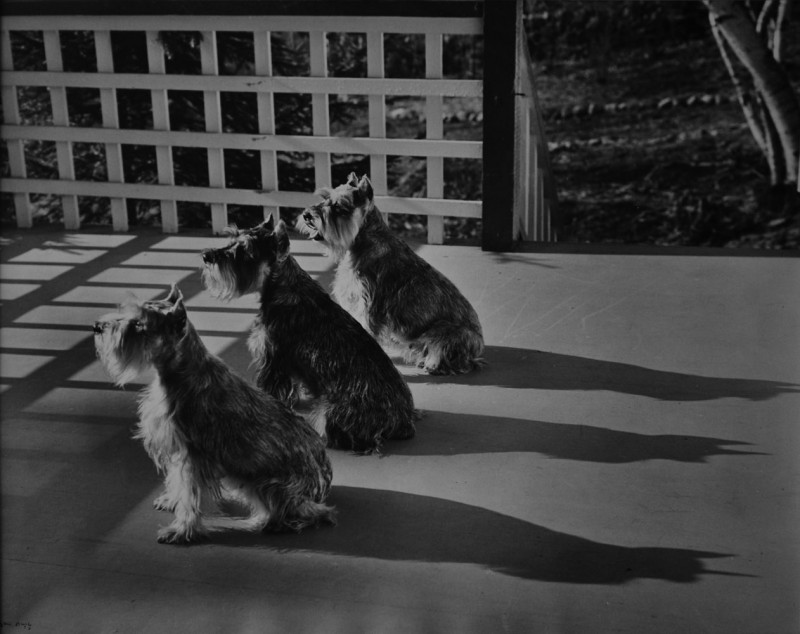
209 257
97 328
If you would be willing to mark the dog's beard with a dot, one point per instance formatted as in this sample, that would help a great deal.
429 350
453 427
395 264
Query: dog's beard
343 232
220 282
122 358
308 228
225 284
337 233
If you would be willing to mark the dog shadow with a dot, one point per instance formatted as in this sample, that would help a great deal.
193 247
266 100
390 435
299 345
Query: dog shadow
533 369
449 434
396 526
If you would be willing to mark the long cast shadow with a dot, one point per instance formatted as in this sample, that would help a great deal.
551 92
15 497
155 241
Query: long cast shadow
449 434
532 369
391 525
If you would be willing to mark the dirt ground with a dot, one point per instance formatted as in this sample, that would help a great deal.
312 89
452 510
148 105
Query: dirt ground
652 147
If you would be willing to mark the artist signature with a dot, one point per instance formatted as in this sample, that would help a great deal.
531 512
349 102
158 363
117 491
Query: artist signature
24 626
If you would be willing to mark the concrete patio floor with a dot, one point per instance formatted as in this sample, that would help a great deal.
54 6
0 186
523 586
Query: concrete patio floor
627 461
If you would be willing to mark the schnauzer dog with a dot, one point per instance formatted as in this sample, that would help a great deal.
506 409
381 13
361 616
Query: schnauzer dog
401 299
303 341
209 430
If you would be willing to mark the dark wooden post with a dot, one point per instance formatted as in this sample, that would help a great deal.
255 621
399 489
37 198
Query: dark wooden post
500 33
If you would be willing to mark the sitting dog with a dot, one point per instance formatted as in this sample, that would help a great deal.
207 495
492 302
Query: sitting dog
395 294
302 339
209 429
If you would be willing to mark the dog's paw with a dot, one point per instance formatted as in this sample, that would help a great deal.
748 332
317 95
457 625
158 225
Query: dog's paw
435 369
164 503
179 536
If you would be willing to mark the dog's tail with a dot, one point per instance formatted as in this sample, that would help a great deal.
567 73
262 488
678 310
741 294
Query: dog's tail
452 349
309 513
253 524
272 510
406 428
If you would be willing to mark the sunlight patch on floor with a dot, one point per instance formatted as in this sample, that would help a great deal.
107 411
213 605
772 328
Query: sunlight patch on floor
189 243
18 366
106 295
62 315
59 256
33 271
162 277
166 258
10 292
93 240
41 339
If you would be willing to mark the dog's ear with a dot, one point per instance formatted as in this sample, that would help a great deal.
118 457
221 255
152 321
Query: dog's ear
178 313
130 301
282 240
365 187
268 224
174 294
352 180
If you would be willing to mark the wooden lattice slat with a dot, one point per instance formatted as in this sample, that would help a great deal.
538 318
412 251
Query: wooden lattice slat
160 104
213 119
376 105
110 114
332 23
266 118
58 102
241 141
320 115
247 83
389 204
16 148
434 130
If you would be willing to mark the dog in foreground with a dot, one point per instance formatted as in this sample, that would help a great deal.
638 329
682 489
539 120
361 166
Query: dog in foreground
395 294
303 341
207 429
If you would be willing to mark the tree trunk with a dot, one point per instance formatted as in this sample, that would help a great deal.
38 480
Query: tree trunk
780 104
745 97
779 39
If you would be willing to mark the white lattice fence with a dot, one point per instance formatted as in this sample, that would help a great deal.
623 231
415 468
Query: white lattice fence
528 211
321 144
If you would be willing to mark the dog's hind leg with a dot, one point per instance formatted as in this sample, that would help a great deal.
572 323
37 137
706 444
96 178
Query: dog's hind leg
275 381
244 494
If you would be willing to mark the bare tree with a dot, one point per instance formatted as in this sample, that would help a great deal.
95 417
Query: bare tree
752 49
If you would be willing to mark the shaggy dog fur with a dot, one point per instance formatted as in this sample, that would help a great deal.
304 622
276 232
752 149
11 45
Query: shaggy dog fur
401 299
302 339
210 430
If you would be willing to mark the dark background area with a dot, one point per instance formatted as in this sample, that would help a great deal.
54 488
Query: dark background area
648 142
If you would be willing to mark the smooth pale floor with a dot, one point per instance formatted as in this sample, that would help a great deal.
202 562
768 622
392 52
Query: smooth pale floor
627 461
